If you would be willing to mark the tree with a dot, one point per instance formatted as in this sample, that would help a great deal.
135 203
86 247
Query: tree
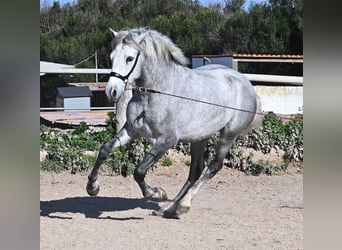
233 6
72 32
289 16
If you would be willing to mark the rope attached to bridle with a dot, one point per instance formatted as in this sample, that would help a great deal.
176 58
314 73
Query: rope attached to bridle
149 90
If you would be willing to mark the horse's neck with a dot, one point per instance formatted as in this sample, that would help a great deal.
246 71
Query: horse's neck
162 76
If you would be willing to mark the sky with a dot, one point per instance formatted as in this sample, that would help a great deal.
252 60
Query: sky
203 2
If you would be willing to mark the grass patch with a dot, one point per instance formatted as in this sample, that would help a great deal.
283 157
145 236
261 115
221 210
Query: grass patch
52 166
167 161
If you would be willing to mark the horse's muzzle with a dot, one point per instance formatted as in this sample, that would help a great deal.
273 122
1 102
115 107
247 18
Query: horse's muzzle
113 94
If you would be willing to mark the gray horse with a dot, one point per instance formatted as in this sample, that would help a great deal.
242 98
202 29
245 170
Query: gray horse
173 103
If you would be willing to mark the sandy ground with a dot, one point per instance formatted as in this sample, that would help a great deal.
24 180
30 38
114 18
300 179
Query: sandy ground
232 211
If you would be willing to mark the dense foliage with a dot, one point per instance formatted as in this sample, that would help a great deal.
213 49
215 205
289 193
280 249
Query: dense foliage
66 148
273 134
72 32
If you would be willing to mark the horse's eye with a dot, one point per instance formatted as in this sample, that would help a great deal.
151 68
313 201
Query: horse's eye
129 59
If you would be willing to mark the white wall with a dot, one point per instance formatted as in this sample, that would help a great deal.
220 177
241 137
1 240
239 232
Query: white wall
77 102
281 99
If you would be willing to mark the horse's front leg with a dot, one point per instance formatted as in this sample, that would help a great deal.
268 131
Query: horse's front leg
119 139
158 150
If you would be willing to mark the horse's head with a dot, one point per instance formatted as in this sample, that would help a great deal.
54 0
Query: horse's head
126 63
133 48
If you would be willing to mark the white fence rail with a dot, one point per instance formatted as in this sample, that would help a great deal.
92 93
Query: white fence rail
78 109
292 80
74 71
273 60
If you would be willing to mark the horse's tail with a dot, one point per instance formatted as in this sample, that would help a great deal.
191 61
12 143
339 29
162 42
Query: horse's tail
258 118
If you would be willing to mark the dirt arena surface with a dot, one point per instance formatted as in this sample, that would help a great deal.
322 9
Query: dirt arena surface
232 211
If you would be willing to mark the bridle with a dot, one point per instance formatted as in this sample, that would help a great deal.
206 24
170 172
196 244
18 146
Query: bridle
125 78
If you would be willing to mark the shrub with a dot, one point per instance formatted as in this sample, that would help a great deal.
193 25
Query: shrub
125 158
167 161
65 148
277 134
52 165
187 163
274 133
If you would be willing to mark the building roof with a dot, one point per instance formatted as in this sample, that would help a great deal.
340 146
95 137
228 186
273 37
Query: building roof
69 92
93 86
92 118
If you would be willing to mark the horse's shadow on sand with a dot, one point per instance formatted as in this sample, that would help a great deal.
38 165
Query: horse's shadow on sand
93 207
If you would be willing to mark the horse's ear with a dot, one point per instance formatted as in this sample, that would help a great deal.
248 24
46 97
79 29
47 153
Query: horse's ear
114 33
142 37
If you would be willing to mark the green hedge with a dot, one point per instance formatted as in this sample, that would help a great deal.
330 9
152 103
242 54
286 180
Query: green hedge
66 148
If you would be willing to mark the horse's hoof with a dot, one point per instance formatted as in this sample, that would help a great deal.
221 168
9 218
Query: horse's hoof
182 209
171 215
163 195
156 194
93 188
175 211
169 211
161 210
166 214
158 213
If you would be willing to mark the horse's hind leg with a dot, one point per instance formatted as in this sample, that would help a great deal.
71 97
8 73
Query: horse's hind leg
196 168
120 139
225 142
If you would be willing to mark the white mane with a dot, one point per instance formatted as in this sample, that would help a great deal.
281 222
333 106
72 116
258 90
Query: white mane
154 44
